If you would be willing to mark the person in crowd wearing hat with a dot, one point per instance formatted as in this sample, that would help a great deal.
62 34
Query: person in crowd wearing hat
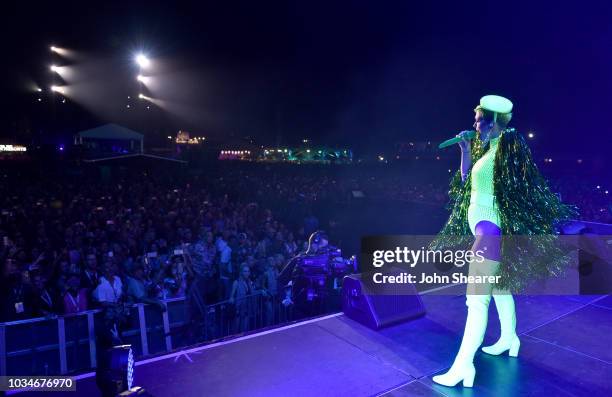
497 192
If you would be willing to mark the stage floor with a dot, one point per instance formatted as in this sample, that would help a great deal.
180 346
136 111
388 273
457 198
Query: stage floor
565 351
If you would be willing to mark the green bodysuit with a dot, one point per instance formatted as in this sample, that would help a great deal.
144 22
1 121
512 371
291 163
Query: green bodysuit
483 204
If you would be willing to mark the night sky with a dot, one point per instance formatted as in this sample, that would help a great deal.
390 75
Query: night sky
353 73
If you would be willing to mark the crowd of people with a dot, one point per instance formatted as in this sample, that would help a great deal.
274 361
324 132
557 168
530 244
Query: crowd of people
593 199
84 241
69 246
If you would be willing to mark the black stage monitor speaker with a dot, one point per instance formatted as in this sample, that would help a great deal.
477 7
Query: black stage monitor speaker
395 304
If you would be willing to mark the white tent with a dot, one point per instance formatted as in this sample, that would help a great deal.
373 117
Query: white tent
111 132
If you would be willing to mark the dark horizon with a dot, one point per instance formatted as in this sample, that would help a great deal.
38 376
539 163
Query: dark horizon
356 74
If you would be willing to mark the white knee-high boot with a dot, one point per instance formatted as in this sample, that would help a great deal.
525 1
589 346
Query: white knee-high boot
507 320
473 335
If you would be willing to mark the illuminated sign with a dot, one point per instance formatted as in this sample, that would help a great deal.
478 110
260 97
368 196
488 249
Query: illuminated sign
12 148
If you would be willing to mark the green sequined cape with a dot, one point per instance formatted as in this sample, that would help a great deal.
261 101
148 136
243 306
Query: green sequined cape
528 209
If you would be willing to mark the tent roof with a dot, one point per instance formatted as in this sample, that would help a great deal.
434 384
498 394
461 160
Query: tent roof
111 131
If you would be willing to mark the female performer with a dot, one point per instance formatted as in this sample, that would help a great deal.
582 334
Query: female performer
501 194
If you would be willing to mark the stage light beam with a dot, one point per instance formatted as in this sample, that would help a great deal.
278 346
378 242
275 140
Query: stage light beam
63 52
56 88
142 61
54 68
148 99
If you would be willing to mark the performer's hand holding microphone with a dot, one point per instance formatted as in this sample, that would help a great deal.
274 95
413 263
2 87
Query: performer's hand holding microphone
463 139
466 137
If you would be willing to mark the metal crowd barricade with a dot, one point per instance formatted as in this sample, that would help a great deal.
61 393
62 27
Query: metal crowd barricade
67 344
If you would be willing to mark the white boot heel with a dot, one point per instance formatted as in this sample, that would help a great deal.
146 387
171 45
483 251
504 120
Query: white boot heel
514 347
468 381
501 346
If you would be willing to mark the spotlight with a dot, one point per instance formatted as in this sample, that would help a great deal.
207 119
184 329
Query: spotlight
54 68
140 78
141 96
530 135
39 89
142 61
115 372
55 88
63 52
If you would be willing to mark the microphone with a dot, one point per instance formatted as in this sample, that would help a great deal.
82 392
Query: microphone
469 136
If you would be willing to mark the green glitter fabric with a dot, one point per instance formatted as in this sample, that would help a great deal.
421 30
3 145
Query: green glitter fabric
529 212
